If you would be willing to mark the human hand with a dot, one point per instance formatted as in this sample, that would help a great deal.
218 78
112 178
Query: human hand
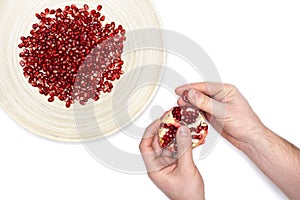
177 178
226 109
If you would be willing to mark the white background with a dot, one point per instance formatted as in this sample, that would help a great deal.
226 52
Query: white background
254 44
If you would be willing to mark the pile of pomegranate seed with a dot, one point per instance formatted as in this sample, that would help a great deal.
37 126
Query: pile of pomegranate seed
72 55
176 117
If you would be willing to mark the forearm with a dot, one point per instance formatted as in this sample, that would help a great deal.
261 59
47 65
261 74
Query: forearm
278 159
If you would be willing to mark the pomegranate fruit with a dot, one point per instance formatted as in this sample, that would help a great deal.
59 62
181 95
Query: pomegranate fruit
72 55
178 116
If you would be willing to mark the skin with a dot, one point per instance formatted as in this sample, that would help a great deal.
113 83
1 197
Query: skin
229 113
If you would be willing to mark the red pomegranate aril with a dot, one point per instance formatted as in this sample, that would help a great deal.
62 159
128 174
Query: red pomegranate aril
82 102
185 96
43 15
68 104
197 137
22 63
51 99
102 18
58 10
34 26
38 16
96 98
52 12
97 15
99 7
21 45
73 7
47 11
123 32
93 12
86 7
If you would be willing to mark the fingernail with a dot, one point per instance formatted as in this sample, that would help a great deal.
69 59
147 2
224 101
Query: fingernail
183 131
192 94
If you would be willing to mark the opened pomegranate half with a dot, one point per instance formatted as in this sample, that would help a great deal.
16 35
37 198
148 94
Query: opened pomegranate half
187 116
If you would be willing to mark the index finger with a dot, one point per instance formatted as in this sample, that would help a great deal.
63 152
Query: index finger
150 132
147 149
208 88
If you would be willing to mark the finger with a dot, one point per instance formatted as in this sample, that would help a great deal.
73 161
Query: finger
179 91
180 102
206 103
167 153
219 127
156 147
208 88
156 176
214 123
184 148
152 162
208 117
168 161
146 148
217 124
150 132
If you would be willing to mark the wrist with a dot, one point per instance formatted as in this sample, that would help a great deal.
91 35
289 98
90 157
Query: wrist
257 139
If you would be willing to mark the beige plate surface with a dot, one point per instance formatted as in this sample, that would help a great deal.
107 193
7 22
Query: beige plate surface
52 120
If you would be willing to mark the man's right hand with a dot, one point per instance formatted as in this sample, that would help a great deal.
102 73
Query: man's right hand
226 109
230 113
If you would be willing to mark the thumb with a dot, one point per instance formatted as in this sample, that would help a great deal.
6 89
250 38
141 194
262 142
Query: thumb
206 103
184 148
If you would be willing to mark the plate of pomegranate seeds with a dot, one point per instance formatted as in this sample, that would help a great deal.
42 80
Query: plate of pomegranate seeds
66 73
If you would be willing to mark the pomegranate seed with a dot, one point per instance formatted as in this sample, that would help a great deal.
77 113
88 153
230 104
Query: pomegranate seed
38 16
185 96
47 11
51 99
70 41
43 15
97 15
68 104
21 45
22 63
34 26
86 7
99 7
93 12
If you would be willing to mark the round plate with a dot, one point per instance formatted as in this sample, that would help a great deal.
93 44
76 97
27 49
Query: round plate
53 120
